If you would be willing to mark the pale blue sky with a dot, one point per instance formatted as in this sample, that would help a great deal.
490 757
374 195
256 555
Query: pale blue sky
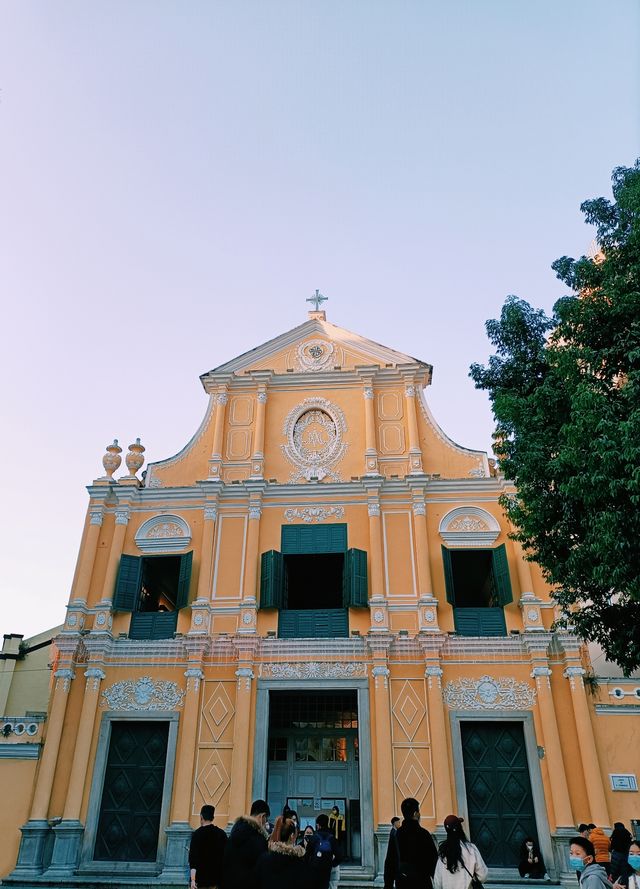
176 178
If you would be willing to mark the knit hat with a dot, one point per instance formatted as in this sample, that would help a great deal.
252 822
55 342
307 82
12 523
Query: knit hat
452 821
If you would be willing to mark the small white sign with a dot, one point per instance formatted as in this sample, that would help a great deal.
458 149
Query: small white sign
623 782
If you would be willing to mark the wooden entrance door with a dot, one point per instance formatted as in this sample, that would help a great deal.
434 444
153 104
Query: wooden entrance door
499 800
129 821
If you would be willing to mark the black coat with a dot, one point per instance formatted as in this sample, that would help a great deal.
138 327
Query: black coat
247 842
206 853
283 867
418 857
322 871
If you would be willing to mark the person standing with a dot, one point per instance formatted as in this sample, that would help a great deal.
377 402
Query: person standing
633 880
411 853
323 854
247 842
601 844
284 865
619 843
582 859
206 851
395 824
458 859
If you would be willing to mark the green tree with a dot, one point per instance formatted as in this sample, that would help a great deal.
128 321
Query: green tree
565 393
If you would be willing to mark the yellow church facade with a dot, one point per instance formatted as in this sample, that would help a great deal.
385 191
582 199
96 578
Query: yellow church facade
317 602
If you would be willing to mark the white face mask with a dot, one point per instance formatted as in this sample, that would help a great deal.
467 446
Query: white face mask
529 845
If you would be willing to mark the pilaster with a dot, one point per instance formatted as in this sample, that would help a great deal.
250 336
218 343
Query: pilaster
385 797
215 461
415 452
371 451
574 672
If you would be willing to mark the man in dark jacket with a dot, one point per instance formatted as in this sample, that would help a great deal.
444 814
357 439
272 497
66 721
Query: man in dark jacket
206 851
247 841
323 852
411 854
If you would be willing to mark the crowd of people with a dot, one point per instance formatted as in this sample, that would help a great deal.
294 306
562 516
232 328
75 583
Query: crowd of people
261 855
254 857
603 862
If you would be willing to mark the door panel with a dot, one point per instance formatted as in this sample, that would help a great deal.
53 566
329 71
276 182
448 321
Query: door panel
129 821
499 799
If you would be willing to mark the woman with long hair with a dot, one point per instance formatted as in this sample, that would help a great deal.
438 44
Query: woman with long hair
283 865
458 859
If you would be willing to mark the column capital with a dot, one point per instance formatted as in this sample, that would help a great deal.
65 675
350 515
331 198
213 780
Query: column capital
210 513
570 672
432 670
64 678
122 515
247 674
373 509
96 515
255 511
367 393
94 676
262 396
537 672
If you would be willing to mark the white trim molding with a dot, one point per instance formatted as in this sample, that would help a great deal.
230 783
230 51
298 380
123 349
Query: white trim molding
469 526
163 534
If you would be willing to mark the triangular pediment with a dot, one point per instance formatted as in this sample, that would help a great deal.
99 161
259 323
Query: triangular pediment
315 346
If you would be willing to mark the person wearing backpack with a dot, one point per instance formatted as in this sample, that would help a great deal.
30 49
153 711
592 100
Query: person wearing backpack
323 853
411 853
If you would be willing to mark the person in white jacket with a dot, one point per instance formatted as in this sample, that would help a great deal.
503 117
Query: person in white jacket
458 859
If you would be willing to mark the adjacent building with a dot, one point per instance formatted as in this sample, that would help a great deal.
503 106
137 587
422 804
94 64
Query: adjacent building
315 601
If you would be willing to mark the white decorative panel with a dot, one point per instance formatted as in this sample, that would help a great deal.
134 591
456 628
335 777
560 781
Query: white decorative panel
389 406
240 411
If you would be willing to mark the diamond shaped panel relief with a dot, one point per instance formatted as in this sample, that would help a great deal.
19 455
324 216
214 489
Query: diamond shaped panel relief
409 710
217 713
412 779
213 779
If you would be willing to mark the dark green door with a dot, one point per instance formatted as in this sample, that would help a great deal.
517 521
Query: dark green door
499 800
129 821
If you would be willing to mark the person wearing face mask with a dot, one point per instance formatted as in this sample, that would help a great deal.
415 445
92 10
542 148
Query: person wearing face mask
531 863
619 843
582 858
633 859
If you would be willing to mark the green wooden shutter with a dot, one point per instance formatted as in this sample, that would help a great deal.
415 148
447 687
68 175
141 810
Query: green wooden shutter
125 597
272 580
354 579
184 579
309 539
501 579
448 575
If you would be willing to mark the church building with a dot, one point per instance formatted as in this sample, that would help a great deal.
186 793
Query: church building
316 602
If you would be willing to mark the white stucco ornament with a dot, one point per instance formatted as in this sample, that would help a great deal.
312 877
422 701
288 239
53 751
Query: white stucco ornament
532 614
489 693
314 356
314 670
143 694
378 616
314 430
311 514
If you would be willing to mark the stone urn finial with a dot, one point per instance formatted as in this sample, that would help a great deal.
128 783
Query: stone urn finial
134 458
112 459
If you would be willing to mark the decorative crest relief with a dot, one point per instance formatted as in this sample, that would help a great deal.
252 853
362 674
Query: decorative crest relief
488 693
469 526
314 670
143 694
314 430
314 355
163 533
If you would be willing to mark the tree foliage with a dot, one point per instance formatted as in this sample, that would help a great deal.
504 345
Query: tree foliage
565 393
